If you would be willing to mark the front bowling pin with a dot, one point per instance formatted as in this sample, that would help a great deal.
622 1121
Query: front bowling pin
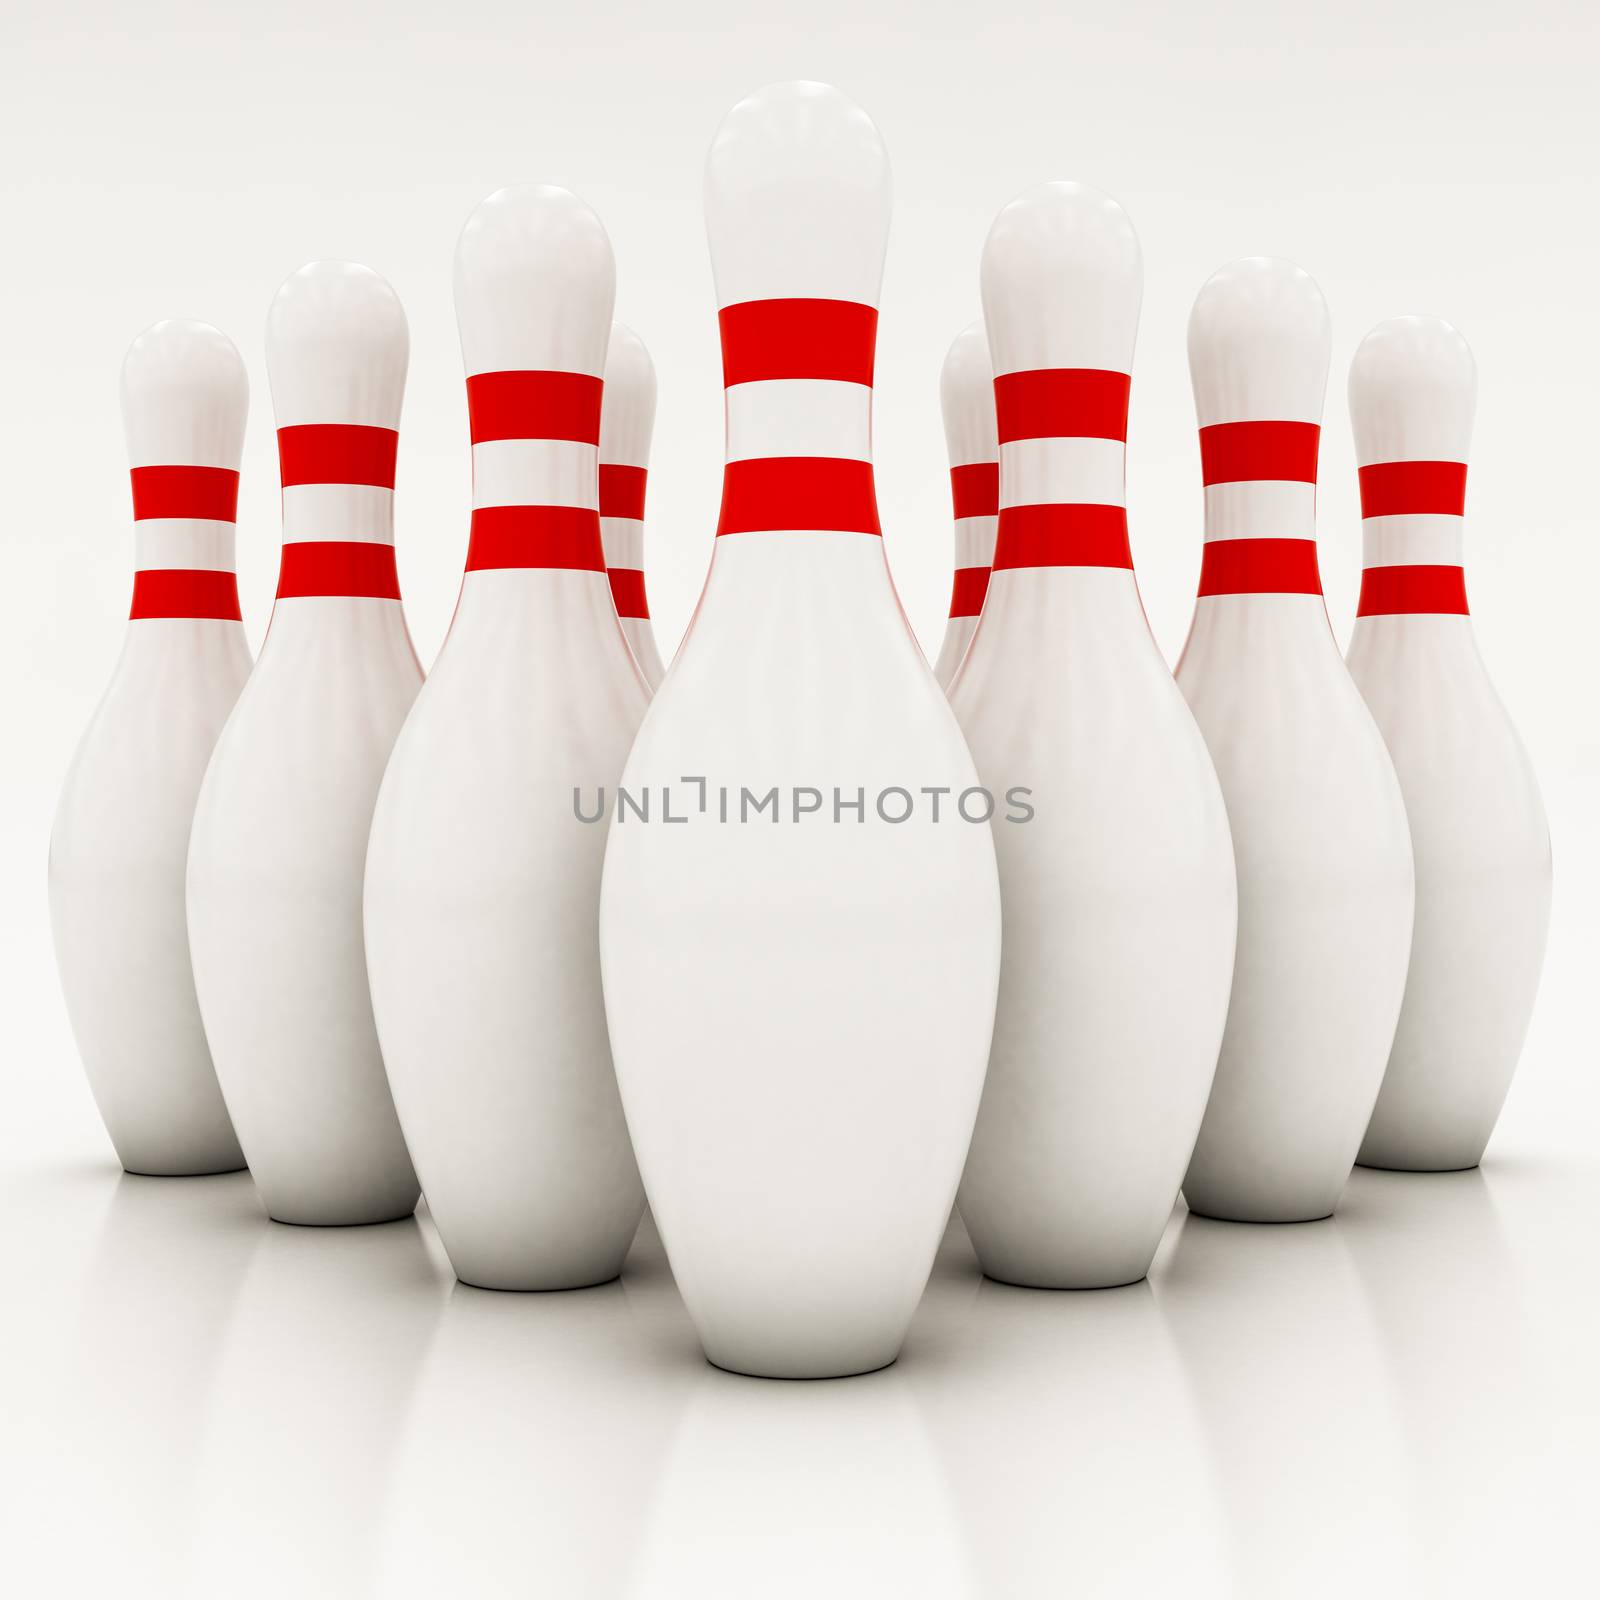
800 962
1319 828
966 396
1477 825
1122 877
280 833
483 878
627 416
121 834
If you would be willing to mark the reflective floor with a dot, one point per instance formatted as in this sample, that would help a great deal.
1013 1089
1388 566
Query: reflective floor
1400 1401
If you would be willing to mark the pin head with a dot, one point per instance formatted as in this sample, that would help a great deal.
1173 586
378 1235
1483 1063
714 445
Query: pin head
628 410
797 198
337 347
1413 392
1062 279
1259 342
534 281
966 396
184 397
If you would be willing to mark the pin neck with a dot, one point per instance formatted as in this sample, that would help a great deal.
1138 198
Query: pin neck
975 498
798 380
1411 533
622 490
184 520
535 471
338 511
1063 442
1261 508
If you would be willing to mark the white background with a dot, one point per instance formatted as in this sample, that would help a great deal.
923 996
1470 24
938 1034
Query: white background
1402 1401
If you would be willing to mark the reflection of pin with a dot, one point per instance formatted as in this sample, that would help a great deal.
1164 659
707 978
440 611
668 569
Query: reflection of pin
800 997
1093 1098
482 882
966 394
280 831
627 414
1319 828
121 832
1477 825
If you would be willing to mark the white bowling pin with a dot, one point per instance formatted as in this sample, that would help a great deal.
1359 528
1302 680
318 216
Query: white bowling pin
483 884
1477 825
1123 875
800 997
1319 828
966 396
628 413
280 833
121 833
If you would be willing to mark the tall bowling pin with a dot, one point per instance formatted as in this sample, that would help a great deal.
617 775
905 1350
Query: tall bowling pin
627 416
1319 828
1123 876
800 962
121 833
280 832
483 881
966 396
1477 825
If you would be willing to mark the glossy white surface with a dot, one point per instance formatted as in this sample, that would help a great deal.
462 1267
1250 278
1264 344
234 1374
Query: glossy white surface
1416 1373
966 401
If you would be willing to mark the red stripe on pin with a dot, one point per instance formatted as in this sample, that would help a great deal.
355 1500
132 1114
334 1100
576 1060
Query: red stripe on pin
345 567
535 536
1062 536
975 489
1260 566
1414 488
205 494
534 405
828 339
828 493
1250 452
627 592
966 596
622 491
173 592
1062 403
1401 591
337 452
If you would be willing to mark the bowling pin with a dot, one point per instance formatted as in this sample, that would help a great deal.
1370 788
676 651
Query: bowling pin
1477 825
483 879
1319 827
628 413
799 961
280 832
121 833
966 396
1123 875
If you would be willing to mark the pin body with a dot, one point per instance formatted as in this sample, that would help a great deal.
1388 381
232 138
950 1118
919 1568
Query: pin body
966 396
800 1006
628 414
1123 877
121 834
1477 824
483 883
280 834
1319 828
